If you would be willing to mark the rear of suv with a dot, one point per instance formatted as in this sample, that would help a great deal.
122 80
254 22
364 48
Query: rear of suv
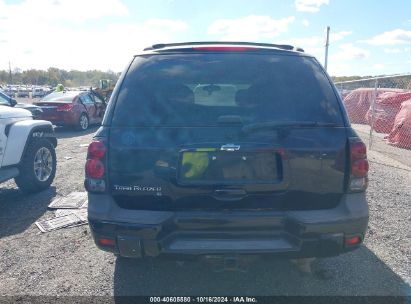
226 149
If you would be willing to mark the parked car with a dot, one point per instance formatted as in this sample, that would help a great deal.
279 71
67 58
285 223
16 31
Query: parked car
6 100
72 108
23 93
38 92
183 166
9 92
27 150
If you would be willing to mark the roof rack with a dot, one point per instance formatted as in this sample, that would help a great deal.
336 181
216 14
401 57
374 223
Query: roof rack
278 46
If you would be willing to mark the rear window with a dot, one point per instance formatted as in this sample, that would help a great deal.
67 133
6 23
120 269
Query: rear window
58 97
200 89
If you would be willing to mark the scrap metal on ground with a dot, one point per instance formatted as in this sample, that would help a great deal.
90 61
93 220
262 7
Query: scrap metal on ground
71 211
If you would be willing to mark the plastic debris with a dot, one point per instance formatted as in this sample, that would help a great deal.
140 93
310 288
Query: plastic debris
68 220
81 213
71 212
74 200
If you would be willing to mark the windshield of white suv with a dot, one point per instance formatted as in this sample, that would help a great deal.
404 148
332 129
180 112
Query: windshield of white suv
200 89
3 99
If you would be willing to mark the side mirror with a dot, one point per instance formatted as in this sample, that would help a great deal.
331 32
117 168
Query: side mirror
13 102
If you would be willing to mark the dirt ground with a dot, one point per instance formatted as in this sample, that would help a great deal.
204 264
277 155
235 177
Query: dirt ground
66 261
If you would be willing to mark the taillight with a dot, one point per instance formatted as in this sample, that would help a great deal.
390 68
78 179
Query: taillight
107 242
358 165
359 168
95 167
352 241
65 107
96 150
358 149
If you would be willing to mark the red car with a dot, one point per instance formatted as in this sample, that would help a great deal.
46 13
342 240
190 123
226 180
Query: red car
78 109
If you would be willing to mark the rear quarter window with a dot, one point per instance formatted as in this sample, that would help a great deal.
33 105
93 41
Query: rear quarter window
86 99
59 97
197 89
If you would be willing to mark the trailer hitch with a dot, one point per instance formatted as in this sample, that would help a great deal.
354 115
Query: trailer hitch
221 263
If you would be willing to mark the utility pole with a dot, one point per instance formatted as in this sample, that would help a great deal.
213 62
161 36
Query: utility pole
327 43
11 78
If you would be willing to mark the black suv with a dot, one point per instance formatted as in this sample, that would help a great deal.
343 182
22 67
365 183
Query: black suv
223 149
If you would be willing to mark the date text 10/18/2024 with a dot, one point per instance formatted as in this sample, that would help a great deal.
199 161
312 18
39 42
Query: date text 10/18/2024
203 300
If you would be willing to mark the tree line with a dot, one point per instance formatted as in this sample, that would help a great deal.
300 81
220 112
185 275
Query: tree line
73 78
53 76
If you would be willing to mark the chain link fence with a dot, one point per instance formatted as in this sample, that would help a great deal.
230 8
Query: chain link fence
380 111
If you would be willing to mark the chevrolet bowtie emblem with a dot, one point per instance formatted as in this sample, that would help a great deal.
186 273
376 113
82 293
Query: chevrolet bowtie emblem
230 147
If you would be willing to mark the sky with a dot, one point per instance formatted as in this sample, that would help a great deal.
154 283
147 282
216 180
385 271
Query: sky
368 37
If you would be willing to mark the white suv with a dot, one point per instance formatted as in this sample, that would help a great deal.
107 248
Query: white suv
27 150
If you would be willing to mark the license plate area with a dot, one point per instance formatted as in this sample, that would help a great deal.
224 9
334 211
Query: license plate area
229 167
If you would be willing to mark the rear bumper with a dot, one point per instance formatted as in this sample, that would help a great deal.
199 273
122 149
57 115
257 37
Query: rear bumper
293 234
60 118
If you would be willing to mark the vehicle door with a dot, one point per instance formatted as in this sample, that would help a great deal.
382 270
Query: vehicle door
3 141
88 103
100 107
4 102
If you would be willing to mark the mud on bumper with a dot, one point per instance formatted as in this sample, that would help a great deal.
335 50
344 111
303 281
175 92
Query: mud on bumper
294 234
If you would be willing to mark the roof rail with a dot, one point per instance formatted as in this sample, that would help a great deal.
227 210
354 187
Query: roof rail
279 46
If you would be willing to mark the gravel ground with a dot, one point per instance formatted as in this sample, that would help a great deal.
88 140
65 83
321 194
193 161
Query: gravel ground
66 262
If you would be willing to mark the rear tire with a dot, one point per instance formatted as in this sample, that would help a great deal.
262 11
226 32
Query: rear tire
37 167
83 122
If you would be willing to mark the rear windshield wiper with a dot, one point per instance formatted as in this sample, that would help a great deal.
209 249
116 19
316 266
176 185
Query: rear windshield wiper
284 124
230 119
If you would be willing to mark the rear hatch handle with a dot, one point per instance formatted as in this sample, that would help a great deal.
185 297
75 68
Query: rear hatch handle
229 194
